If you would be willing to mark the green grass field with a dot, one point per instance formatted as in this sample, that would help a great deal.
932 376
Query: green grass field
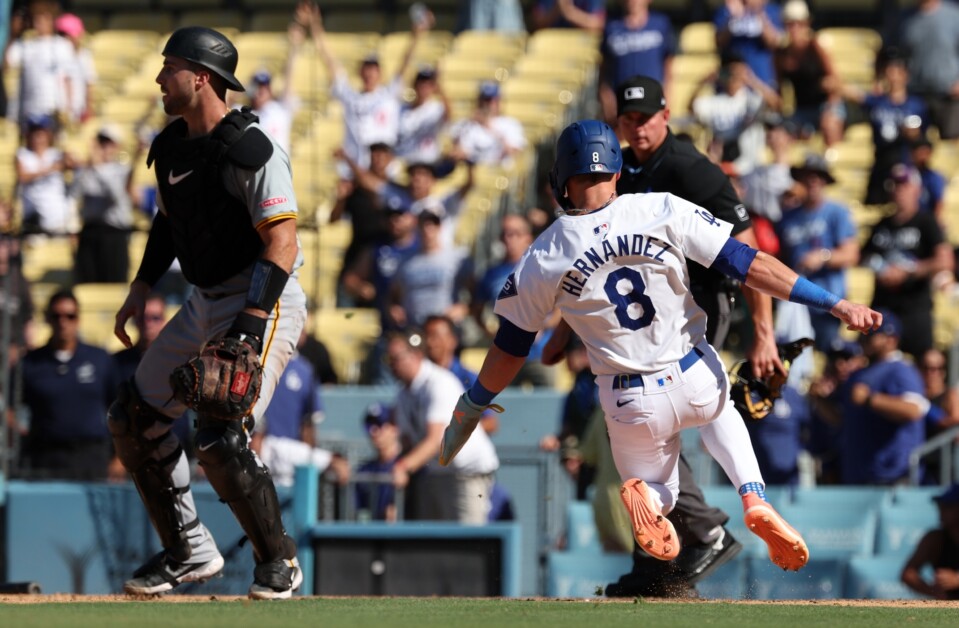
463 613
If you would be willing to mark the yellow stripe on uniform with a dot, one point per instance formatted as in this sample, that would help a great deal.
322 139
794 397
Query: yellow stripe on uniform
276 218
269 339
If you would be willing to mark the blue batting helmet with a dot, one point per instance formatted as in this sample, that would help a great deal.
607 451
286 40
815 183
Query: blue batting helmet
584 147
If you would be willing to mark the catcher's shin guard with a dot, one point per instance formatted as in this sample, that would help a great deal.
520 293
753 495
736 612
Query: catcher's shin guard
139 432
243 484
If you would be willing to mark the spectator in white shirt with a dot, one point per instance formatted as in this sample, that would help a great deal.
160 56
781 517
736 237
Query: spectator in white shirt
422 120
46 62
486 137
732 113
43 193
371 114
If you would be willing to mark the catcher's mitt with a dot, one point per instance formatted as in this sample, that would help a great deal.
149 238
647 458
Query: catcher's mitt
754 398
222 382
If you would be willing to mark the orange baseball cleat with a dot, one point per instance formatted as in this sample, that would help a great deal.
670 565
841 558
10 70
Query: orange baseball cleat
651 529
786 546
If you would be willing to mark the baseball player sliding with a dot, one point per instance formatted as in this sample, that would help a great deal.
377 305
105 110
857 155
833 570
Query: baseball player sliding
616 267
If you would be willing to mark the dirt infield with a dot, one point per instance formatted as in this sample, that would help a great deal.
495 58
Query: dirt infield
60 598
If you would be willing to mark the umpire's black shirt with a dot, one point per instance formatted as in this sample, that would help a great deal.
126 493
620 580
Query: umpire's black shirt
678 168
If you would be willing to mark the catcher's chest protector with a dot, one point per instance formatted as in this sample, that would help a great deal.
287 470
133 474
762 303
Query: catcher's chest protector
213 234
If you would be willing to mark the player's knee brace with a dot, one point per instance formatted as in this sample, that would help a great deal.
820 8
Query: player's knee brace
243 483
131 420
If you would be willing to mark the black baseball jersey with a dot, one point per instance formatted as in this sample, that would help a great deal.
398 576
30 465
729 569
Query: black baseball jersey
678 168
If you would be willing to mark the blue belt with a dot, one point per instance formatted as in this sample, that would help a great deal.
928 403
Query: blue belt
635 380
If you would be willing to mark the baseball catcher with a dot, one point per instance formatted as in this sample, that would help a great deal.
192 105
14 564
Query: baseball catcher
227 212
754 398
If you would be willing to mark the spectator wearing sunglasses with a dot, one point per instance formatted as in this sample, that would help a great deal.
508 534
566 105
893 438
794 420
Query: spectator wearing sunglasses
67 387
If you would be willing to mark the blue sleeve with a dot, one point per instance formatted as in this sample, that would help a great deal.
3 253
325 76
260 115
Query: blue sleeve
734 259
937 187
845 228
775 15
721 18
512 339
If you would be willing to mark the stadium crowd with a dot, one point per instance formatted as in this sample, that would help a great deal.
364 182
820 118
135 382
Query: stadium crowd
772 105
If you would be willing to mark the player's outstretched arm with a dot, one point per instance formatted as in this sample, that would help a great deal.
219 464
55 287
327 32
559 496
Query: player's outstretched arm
768 274
499 369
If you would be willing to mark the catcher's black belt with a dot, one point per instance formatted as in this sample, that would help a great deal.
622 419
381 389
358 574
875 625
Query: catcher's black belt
635 380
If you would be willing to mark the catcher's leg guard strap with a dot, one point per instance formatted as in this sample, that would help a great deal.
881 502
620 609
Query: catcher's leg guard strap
245 486
139 433
161 498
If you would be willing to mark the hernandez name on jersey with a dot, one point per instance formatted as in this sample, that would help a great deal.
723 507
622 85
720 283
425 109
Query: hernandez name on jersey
619 276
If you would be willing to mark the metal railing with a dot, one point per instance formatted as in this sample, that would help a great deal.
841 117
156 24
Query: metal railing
945 445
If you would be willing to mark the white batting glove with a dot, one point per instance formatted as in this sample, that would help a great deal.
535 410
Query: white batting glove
466 417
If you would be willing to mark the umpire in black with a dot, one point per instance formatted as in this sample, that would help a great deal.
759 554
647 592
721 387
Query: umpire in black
659 162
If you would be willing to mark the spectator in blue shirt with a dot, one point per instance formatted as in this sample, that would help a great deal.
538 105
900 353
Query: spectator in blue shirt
883 409
375 495
286 437
818 240
67 387
754 29
933 183
825 400
641 42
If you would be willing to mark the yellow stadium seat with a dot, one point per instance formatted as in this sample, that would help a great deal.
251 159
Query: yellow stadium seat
693 67
141 20
850 155
355 21
860 284
698 38
479 43
348 333
48 259
841 40
269 20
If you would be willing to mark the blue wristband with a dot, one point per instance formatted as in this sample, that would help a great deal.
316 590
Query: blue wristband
479 395
808 293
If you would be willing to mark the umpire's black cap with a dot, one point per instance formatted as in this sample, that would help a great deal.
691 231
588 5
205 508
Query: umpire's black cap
208 48
640 93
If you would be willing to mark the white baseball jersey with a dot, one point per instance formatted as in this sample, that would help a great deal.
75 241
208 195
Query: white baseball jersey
419 129
369 117
619 276
488 144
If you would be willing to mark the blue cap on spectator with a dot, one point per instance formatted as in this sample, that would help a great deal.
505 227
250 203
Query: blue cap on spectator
262 77
891 325
488 90
39 121
377 415
425 73
948 498
844 348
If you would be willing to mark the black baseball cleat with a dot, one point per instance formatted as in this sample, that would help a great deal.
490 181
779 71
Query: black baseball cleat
277 579
162 573
700 560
